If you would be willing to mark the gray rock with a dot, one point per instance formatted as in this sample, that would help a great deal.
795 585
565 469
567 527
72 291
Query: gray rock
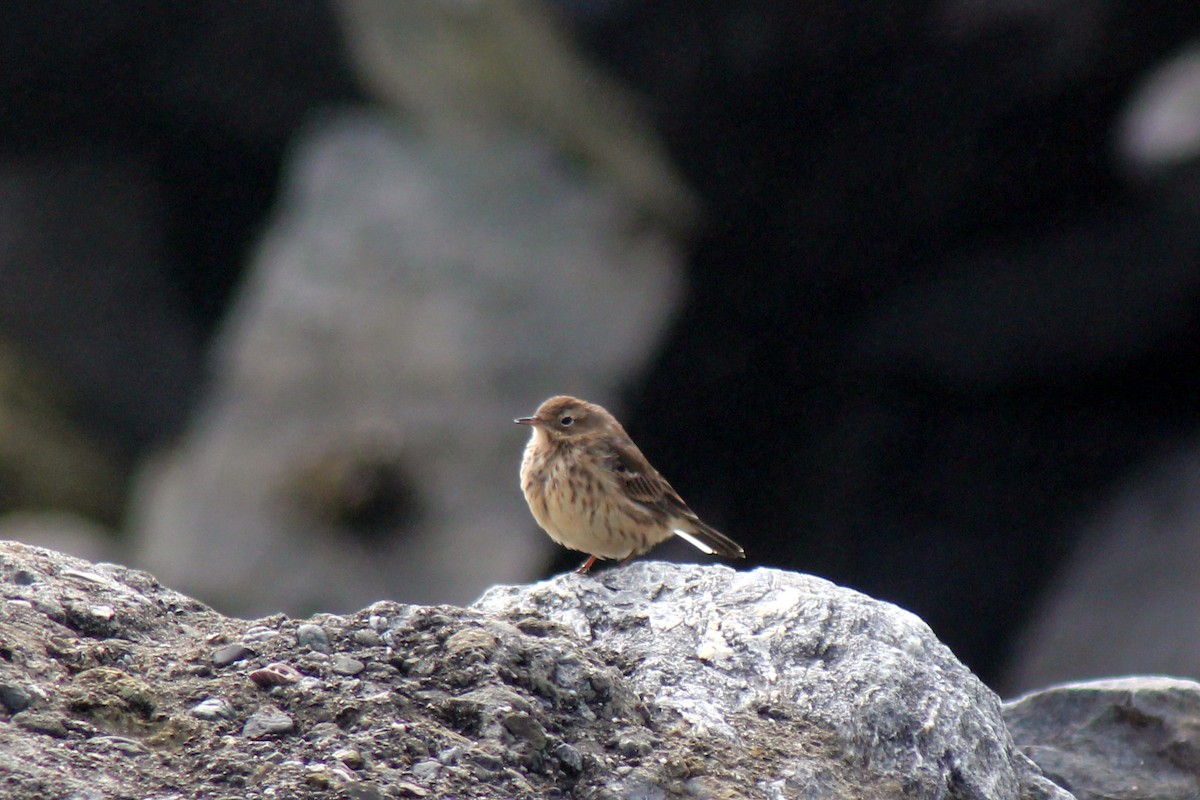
345 665
426 770
313 637
268 722
15 698
411 299
230 654
1132 738
862 689
47 724
651 680
212 708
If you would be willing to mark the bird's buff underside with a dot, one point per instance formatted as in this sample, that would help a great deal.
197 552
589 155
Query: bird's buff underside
591 489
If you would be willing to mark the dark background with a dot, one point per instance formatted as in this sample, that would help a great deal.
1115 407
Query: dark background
933 317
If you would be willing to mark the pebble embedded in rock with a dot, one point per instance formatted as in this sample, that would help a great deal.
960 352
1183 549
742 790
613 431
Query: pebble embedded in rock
323 731
230 654
15 698
319 776
275 674
349 756
526 727
361 790
570 757
267 722
486 763
24 577
313 637
257 634
426 770
411 789
212 708
367 638
102 612
345 665
471 644
92 620
634 745
47 723
90 577
310 683
120 744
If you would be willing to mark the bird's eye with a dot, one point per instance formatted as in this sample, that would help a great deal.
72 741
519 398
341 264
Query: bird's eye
566 422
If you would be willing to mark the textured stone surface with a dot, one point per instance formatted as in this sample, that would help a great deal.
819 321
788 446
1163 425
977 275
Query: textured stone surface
650 681
875 704
1132 738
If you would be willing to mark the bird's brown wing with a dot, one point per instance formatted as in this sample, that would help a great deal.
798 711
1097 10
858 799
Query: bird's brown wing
645 486
642 483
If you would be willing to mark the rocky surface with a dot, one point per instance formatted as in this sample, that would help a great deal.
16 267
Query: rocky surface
648 681
1129 738
870 703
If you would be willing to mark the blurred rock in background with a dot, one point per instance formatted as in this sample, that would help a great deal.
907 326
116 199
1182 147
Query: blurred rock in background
48 460
463 72
428 276
938 312
139 148
1126 598
1125 601
85 289
409 299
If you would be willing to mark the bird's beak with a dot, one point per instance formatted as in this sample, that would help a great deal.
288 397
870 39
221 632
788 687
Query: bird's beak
528 421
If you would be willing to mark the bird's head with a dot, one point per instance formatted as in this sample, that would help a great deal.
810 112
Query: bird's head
567 417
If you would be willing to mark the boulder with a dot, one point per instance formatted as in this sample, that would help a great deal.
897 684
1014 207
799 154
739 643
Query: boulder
650 680
1135 738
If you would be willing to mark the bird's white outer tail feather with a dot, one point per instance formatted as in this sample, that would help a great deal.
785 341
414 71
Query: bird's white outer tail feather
694 542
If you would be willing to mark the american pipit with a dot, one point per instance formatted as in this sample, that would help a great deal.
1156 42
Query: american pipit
591 489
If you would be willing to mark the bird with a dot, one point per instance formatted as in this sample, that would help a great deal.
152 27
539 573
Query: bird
590 488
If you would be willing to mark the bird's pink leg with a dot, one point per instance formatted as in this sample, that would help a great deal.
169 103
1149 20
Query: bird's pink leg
583 569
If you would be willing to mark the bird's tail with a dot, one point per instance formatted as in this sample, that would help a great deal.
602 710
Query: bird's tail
708 539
